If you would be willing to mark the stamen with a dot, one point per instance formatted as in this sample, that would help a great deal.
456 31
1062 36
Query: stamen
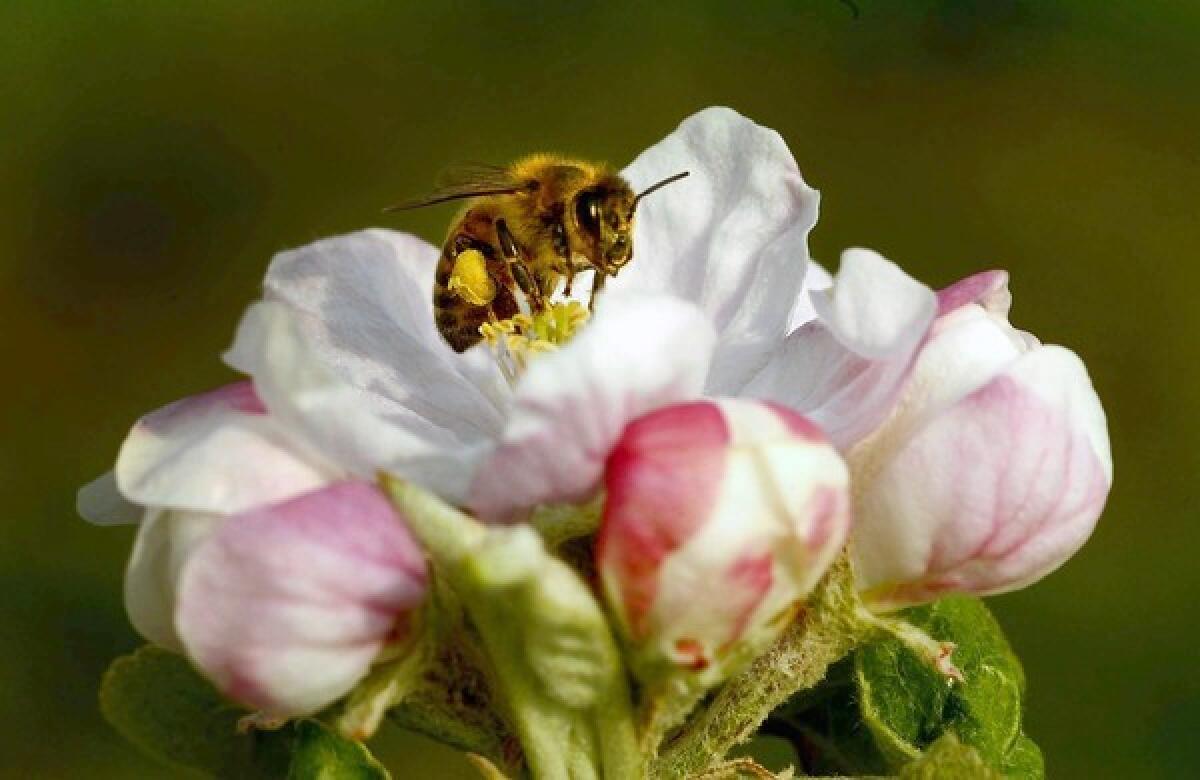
516 341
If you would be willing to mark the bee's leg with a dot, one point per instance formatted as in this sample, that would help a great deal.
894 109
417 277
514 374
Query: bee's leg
517 266
570 277
562 248
597 285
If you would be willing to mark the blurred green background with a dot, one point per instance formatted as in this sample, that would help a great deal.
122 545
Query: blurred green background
154 155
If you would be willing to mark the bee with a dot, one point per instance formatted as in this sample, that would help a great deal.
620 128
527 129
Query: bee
526 229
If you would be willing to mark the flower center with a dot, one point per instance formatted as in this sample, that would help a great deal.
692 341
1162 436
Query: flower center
517 340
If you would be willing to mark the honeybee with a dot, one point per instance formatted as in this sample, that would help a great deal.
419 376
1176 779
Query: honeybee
527 228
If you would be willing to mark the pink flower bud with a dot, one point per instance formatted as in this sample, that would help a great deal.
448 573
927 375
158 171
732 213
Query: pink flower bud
991 470
285 607
720 515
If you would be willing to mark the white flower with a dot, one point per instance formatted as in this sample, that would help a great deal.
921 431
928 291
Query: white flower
343 348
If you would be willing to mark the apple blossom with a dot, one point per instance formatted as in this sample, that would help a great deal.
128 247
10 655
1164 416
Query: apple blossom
720 515
344 347
979 458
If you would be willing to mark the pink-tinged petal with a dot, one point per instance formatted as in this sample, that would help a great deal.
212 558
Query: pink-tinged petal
361 431
989 289
641 352
367 317
732 237
285 607
213 452
994 493
719 516
165 540
963 350
100 502
846 369
662 480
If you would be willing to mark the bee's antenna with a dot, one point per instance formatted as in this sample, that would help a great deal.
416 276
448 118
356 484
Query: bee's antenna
659 186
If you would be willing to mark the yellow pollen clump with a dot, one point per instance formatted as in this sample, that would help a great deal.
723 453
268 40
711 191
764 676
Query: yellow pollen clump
470 280
514 341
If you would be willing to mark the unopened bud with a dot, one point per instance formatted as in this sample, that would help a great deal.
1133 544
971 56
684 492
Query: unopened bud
720 517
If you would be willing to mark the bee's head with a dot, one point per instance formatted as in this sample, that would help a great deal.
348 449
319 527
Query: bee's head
603 214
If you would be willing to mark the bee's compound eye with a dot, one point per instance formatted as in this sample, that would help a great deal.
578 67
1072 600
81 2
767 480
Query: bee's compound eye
587 212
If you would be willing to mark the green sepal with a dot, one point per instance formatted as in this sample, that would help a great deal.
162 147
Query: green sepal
550 655
157 701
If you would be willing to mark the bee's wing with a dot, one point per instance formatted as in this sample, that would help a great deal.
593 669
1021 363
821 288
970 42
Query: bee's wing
468 181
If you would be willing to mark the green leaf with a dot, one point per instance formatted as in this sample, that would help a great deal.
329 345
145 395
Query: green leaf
907 705
1024 761
157 701
881 710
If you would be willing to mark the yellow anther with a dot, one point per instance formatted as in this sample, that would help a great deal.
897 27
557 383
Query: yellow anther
470 280
515 340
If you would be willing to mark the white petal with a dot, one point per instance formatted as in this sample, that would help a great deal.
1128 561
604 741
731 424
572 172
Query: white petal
876 310
358 430
641 352
846 369
100 502
164 542
367 298
816 279
732 237
213 452
285 607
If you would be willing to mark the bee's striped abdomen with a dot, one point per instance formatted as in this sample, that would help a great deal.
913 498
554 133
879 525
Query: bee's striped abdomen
457 320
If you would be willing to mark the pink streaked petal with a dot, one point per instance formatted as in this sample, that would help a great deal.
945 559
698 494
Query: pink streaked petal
994 493
286 606
100 502
750 578
845 370
641 352
988 288
732 237
214 452
661 482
